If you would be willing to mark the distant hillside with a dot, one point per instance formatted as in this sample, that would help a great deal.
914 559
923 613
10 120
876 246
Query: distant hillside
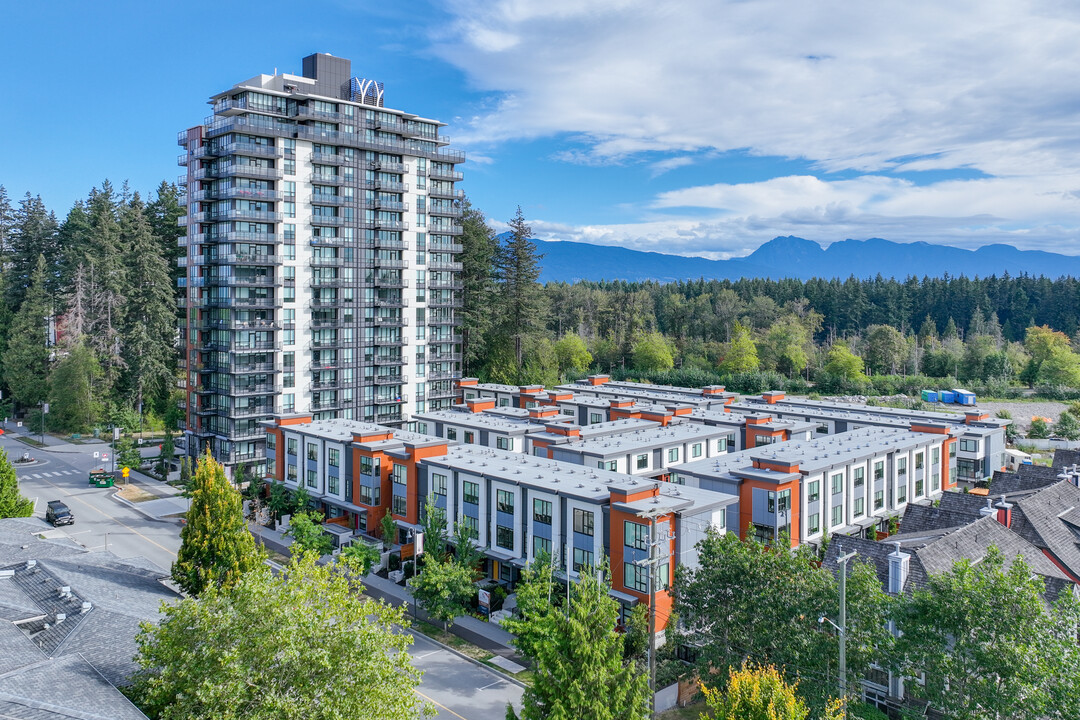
784 257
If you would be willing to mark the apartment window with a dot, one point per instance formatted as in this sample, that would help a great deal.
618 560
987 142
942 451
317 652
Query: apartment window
935 456
695 450
879 499
583 559
290 473
838 515
542 511
583 522
935 482
288 402
837 483
312 451
333 457
859 476
814 523
289 209
504 443
969 445
541 546
918 461
635 535
365 495
919 488
438 485
312 478
470 437
859 507
879 470
271 441
400 505
504 501
813 491
606 464
952 450
721 445
901 492
332 485
504 402
636 577
642 461
595 418
400 474
291 446
673 455
470 493
451 433
901 466
369 466
472 525
504 537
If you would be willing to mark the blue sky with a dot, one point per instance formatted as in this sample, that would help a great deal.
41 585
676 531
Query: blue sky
699 127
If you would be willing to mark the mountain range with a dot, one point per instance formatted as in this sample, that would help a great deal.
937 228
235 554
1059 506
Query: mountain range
794 257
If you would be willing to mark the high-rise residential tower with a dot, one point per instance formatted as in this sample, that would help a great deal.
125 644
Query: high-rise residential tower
321 254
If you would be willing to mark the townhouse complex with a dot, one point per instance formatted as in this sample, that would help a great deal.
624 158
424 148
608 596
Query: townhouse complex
615 472
321 256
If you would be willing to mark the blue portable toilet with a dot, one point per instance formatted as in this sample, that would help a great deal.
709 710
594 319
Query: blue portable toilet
929 396
947 396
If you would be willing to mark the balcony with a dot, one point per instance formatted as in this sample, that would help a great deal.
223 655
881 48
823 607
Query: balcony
325 199
444 211
391 400
449 175
329 303
448 266
449 392
444 247
319 281
442 321
321 179
240 389
231 106
326 405
239 368
318 158
325 261
239 193
324 220
319 343
447 356
244 281
255 125
388 342
396 225
181 138
254 411
325 322
242 170
322 385
243 259
243 302
391 379
249 149
387 244
229 324
390 302
388 360
441 284
389 281
391 321
390 205
394 168
244 214
448 229
391 186
443 375
446 194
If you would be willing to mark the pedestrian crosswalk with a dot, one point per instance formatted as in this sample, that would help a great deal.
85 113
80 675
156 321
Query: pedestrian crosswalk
58 473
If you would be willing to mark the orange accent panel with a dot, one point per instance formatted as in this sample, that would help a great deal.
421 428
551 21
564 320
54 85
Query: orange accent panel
618 581
467 382
300 420
746 509
947 482
916 427
777 466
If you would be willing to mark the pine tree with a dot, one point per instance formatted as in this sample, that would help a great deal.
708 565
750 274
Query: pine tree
216 547
163 214
479 246
33 235
524 310
26 360
12 503
7 222
101 254
148 325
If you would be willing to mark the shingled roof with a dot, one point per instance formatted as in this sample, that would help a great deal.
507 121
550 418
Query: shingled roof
1027 478
1066 458
1050 520
923 518
68 620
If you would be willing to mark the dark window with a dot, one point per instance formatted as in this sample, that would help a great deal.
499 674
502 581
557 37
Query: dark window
583 522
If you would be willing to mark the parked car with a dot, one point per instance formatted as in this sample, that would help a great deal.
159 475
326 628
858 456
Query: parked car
59 514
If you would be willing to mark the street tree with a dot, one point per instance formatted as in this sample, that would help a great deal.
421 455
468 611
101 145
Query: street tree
465 551
748 601
359 557
127 454
989 643
305 528
580 670
433 525
168 452
444 589
216 548
12 503
273 647
535 593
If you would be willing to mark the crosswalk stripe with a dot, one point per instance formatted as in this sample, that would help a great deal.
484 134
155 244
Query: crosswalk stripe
35 475
68 472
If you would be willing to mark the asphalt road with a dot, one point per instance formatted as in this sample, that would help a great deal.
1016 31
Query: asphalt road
455 687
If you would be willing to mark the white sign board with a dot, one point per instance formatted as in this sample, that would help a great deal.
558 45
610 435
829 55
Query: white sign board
96 454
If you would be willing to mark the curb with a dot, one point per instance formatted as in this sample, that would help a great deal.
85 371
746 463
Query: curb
498 671
135 506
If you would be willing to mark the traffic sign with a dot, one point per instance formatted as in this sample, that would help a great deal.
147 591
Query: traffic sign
125 471
104 456
96 454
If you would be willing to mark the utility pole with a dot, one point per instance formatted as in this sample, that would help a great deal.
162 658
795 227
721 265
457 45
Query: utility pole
843 561
652 563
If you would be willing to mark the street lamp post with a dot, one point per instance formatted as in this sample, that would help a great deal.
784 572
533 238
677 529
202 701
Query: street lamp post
841 629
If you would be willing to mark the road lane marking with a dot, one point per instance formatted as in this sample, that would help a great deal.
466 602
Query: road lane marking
436 702
114 519
421 657
497 682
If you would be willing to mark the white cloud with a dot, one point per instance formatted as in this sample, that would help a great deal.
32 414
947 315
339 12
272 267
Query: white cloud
982 83
986 85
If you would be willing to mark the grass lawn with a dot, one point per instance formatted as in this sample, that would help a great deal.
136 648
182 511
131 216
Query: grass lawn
30 441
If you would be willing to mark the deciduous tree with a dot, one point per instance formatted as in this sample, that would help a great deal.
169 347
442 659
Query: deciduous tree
653 352
741 352
305 528
12 503
755 692
444 588
299 644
